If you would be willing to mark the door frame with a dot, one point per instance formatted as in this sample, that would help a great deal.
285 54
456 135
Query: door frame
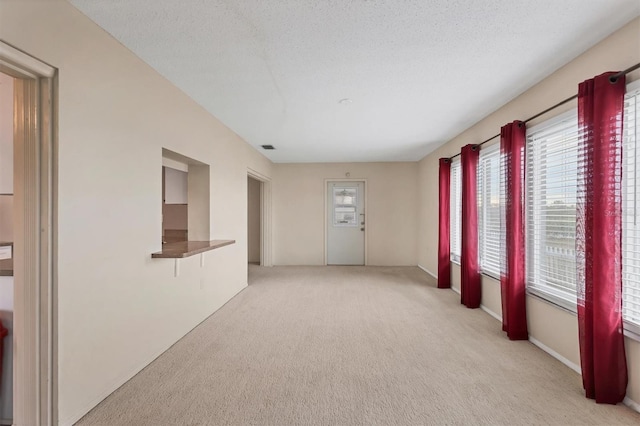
35 372
326 218
266 257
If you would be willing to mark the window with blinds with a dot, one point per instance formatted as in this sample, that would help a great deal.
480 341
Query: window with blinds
489 210
551 170
455 211
631 209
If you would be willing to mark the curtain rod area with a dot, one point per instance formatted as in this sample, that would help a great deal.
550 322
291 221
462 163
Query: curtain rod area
612 79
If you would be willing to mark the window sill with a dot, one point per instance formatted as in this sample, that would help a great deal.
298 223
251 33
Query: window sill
184 249
632 331
554 300
491 275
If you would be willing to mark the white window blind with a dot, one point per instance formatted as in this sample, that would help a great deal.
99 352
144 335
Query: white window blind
455 212
551 156
631 209
489 210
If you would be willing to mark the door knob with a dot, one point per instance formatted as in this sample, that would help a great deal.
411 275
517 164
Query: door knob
362 229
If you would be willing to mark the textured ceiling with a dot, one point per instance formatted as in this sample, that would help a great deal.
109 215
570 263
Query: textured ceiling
416 72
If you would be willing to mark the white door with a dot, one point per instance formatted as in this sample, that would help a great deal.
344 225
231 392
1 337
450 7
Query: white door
345 223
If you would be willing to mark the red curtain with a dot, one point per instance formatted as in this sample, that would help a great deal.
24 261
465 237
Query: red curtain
599 240
444 246
470 289
512 277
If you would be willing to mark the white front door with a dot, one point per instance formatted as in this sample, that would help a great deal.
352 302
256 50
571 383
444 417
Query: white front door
345 223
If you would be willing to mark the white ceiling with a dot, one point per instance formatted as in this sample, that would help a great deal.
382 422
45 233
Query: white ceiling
417 72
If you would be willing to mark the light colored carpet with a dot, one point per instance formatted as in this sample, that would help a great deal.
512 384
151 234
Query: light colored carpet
351 346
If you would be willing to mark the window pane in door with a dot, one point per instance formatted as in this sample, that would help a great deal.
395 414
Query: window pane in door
344 216
344 206
345 196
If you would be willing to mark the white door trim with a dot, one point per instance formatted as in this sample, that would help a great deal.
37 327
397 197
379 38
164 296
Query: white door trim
266 258
366 210
35 282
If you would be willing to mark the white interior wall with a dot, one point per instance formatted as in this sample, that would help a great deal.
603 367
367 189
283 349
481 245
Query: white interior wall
549 326
175 186
391 215
117 308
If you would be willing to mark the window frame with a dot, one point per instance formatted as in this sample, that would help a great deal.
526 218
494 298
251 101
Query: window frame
555 296
631 329
492 151
455 203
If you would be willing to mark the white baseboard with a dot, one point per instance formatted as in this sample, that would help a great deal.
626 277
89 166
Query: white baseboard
490 312
631 404
428 271
436 277
484 308
575 367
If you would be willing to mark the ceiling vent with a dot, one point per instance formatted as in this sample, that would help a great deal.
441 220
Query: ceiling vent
267 146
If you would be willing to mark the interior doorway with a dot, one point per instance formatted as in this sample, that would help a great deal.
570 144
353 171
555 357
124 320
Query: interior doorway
258 219
345 222
33 334
254 221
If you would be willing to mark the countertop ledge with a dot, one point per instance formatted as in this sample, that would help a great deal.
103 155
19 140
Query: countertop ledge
184 249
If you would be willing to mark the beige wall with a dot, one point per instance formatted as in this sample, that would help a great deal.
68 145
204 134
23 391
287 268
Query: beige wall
6 158
6 217
548 325
253 220
6 134
299 212
118 309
